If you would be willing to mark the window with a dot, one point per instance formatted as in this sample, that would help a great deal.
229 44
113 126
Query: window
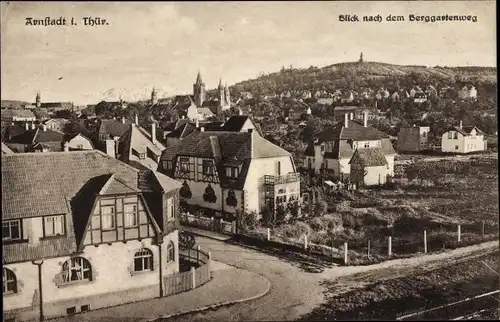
278 168
76 269
108 217
9 281
170 208
71 310
79 146
456 147
367 144
53 225
184 164
208 167
455 135
322 148
450 135
143 260
102 137
232 172
424 134
167 165
85 308
170 252
130 213
11 230
142 156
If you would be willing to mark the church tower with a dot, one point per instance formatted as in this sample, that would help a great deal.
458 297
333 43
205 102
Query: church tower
361 58
199 91
228 97
222 96
38 100
154 97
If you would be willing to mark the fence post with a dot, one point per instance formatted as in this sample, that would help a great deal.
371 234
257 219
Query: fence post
212 227
268 234
233 226
458 232
193 278
198 255
305 241
368 252
389 250
482 230
209 264
345 253
425 241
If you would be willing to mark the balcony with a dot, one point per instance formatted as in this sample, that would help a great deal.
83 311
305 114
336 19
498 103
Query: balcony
287 178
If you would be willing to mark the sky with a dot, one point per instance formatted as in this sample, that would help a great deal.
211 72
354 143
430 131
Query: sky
164 44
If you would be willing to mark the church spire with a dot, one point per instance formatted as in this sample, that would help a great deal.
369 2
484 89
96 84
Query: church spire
198 78
220 83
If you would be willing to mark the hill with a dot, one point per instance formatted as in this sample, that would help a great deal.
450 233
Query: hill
366 74
13 104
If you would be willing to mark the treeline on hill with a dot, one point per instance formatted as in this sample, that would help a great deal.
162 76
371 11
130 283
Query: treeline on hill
368 75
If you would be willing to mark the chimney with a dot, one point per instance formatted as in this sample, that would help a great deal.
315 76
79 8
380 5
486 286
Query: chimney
26 125
123 119
365 118
202 129
44 128
33 125
460 124
110 148
346 120
153 133
351 116
66 147
136 119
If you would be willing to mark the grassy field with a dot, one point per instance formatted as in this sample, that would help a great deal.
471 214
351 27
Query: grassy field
404 211
391 298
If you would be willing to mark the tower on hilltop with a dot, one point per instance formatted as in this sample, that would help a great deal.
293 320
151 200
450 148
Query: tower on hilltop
199 90
38 101
361 58
154 97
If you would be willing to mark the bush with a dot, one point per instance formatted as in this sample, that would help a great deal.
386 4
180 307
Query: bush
246 221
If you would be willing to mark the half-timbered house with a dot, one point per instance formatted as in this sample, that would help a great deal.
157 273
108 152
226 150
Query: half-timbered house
82 231
223 172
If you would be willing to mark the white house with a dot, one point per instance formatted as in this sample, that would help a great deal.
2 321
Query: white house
467 92
222 172
78 142
463 139
333 148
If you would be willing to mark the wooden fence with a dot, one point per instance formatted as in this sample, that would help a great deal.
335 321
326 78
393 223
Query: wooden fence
196 277
213 224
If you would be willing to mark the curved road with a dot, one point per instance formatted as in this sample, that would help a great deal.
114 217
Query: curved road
295 292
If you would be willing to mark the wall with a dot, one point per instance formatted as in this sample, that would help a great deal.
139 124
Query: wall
112 282
318 158
409 140
80 140
474 143
448 145
376 175
254 184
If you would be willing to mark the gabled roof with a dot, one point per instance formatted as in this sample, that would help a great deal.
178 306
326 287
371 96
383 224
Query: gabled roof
62 105
136 138
70 137
369 157
205 111
9 113
235 123
115 186
465 130
353 131
47 136
114 127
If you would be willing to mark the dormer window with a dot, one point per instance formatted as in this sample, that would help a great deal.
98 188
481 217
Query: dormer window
167 165
142 156
455 135
232 172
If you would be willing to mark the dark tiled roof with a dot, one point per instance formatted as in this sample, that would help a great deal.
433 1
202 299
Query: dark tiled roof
235 123
465 130
353 131
47 136
210 103
369 157
9 132
61 105
114 127
182 131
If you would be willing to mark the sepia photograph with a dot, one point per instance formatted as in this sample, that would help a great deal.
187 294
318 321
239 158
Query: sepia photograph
249 161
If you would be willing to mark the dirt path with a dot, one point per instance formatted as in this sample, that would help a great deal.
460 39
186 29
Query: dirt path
295 292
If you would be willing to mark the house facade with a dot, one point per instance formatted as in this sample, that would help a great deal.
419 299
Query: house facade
223 172
333 148
137 146
463 139
105 235
78 142
57 124
413 139
369 167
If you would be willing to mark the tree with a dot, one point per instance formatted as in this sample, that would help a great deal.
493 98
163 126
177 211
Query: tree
246 221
